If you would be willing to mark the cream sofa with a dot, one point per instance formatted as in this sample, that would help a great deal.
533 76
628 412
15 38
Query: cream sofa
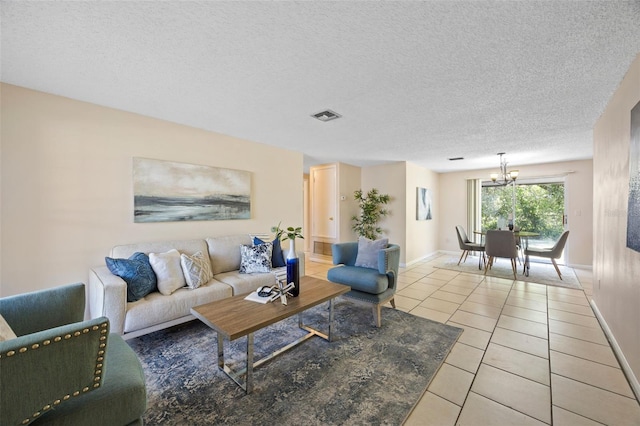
108 292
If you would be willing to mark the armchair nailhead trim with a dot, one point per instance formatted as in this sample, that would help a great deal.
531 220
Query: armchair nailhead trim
97 372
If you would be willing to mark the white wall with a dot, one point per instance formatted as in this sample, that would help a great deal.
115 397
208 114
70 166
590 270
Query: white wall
616 268
579 199
66 194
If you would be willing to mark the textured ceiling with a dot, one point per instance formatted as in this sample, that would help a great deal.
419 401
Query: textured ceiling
414 81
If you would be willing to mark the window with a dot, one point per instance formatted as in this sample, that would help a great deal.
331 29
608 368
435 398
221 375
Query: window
539 207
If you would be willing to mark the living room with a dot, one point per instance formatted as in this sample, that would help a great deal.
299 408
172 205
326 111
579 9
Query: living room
67 194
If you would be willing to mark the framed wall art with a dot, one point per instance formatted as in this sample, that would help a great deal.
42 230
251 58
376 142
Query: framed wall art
165 191
423 204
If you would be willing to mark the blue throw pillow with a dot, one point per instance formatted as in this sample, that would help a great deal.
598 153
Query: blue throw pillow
137 273
277 257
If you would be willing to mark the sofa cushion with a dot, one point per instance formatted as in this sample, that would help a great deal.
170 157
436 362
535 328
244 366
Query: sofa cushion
362 279
246 283
6 333
183 246
255 258
367 256
168 271
196 269
136 272
157 309
277 256
224 252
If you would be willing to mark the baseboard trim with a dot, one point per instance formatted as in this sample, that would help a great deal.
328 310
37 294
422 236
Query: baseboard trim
585 267
421 259
626 368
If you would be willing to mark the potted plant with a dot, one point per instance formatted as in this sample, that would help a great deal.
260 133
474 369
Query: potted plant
371 211
293 270
289 233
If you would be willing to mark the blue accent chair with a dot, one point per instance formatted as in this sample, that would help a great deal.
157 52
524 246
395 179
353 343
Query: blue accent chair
63 370
375 286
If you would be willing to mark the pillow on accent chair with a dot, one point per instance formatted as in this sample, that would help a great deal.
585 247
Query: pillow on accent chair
168 271
196 269
277 256
6 333
367 256
255 258
136 272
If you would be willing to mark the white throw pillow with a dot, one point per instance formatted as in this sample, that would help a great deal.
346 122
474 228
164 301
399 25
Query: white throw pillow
367 256
6 333
168 271
196 269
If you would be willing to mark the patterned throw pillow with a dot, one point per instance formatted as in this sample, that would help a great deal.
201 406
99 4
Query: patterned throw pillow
168 271
255 258
277 257
368 252
136 272
196 269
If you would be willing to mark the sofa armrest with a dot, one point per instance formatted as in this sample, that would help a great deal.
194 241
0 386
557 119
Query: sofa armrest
108 297
45 369
345 253
40 310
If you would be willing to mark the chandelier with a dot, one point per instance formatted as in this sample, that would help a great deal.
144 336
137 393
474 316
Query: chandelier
504 177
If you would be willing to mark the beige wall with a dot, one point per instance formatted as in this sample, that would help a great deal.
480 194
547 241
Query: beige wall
579 198
66 194
418 239
421 235
616 267
390 179
349 178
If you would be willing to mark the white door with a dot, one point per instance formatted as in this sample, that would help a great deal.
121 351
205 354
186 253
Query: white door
323 215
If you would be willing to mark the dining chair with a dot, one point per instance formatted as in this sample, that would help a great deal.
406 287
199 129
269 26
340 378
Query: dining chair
467 245
501 244
552 253
516 230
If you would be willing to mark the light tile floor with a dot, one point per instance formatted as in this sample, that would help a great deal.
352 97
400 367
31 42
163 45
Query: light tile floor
530 354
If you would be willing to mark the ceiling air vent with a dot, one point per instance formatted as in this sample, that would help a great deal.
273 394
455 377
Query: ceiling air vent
326 115
456 158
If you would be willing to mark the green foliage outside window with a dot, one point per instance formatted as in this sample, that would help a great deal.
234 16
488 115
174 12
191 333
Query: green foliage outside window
539 208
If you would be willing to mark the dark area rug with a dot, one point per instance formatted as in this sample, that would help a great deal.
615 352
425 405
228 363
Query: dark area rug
367 375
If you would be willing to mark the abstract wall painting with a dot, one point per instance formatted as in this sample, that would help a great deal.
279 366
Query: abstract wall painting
423 204
633 212
165 191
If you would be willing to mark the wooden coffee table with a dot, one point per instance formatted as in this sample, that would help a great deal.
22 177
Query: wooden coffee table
235 317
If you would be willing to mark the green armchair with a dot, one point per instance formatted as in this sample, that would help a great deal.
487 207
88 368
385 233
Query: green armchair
62 370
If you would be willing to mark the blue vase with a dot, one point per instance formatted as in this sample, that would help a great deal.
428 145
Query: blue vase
293 269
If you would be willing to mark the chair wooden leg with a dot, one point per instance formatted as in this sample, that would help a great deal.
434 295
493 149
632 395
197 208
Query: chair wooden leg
513 266
555 265
461 256
377 317
488 264
393 303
